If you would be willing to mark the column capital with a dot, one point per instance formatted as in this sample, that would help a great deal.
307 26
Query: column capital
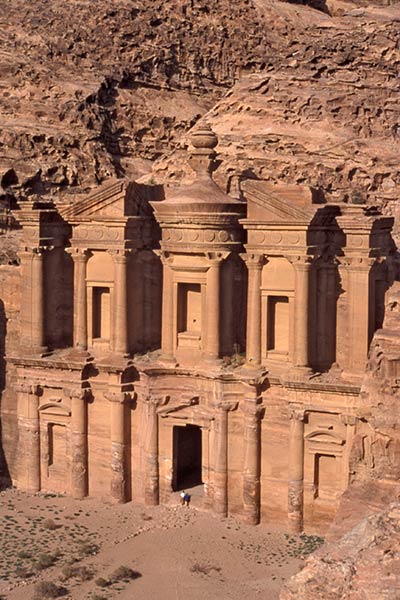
358 263
252 407
155 401
215 259
254 261
166 257
78 254
297 413
28 387
77 393
223 406
347 419
300 261
120 255
119 397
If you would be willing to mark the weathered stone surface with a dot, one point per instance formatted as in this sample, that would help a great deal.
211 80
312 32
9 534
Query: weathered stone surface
322 113
117 86
364 564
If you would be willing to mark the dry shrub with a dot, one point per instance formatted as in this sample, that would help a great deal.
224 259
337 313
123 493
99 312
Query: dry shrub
81 573
204 569
48 589
124 573
50 524
102 583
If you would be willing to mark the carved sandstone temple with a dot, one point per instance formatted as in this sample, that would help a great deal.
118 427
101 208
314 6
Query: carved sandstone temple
196 340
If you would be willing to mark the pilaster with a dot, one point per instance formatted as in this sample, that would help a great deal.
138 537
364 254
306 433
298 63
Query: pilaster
296 469
79 443
80 257
119 473
220 499
29 435
302 267
121 343
152 484
252 411
254 263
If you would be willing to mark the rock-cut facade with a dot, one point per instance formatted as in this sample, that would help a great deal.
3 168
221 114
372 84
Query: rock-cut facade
189 340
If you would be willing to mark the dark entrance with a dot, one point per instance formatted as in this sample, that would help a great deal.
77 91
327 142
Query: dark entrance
187 457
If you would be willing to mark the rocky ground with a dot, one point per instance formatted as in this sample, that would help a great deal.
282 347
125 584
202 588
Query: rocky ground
168 552
364 564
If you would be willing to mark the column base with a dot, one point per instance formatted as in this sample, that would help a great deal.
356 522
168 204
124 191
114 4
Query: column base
168 360
351 376
299 372
39 351
211 360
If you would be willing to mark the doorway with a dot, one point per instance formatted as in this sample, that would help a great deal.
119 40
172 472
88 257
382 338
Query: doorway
187 446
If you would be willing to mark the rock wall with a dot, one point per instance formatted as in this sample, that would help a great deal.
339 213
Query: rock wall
322 113
364 564
117 86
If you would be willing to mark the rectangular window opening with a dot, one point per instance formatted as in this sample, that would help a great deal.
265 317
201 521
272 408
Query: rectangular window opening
189 308
101 313
278 324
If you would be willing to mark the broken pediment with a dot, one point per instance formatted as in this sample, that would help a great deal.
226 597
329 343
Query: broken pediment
278 203
114 200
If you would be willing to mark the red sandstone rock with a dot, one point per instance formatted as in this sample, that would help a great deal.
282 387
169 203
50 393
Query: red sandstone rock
362 565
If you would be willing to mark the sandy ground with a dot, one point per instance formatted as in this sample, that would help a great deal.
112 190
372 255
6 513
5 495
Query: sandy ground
179 552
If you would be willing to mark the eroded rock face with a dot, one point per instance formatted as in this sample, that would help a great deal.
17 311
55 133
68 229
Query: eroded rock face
92 92
362 565
376 448
322 113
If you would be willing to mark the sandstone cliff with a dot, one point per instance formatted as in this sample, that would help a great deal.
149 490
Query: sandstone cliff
88 94
323 112
89 91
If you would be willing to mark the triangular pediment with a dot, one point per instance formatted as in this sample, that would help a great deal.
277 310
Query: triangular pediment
112 200
278 203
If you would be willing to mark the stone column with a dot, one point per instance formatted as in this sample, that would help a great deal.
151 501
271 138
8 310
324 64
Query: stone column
37 295
80 258
167 326
323 316
251 466
302 267
253 337
121 344
220 500
79 447
350 421
152 483
212 350
296 470
29 433
358 315
119 474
